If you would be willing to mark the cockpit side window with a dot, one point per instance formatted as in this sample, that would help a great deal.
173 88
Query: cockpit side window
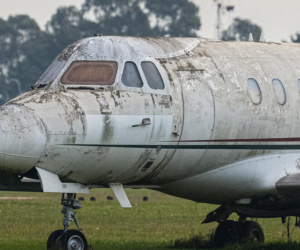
51 73
152 75
131 76
90 73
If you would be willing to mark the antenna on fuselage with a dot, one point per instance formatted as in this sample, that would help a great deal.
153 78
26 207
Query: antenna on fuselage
262 38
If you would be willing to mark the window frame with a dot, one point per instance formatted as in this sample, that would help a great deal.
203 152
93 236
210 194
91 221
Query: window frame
251 99
68 65
139 71
118 85
146 88
58 76
164 85
275 98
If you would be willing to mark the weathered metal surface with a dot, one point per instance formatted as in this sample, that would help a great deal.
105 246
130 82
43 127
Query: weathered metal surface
198 112
205 98
256 176
51 184
23 138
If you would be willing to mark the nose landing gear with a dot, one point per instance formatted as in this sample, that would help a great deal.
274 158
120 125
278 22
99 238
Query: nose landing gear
68 239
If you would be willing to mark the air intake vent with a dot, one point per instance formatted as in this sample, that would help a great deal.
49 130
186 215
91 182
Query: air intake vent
147 165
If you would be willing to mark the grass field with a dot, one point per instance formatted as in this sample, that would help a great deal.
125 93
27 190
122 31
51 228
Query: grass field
155 224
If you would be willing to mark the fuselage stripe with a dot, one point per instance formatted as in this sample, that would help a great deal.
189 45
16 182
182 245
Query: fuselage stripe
257 147
245 140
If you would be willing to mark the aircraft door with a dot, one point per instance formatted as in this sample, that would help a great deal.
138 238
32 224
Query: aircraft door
167 116
198 122
126 119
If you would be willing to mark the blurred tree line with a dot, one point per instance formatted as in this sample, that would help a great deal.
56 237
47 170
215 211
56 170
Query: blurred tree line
26 51
240 30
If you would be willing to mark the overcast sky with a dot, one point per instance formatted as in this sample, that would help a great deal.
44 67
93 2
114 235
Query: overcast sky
278 18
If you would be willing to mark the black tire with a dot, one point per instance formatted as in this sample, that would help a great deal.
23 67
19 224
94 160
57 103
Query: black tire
52 239
252 231
228 232
70 237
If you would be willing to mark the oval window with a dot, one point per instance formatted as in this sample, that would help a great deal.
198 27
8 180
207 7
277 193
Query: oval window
298 84
254 91
279 91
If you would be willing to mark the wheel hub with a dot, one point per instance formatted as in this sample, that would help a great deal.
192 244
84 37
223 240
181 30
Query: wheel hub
253 236
75 243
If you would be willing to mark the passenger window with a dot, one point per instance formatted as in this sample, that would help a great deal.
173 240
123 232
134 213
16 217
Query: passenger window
152 75
279 91
131 76
254 91
90 73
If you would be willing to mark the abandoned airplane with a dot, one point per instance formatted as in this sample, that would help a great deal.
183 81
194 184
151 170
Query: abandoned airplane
210 121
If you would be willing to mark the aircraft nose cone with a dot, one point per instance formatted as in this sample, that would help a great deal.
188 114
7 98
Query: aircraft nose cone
22 139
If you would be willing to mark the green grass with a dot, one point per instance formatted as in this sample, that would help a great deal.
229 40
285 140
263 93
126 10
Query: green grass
156 224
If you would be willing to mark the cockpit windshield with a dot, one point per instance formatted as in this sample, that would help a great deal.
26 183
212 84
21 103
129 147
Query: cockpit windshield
90 73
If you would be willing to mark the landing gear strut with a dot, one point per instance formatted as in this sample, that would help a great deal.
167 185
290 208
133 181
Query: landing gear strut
68 239
230 232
